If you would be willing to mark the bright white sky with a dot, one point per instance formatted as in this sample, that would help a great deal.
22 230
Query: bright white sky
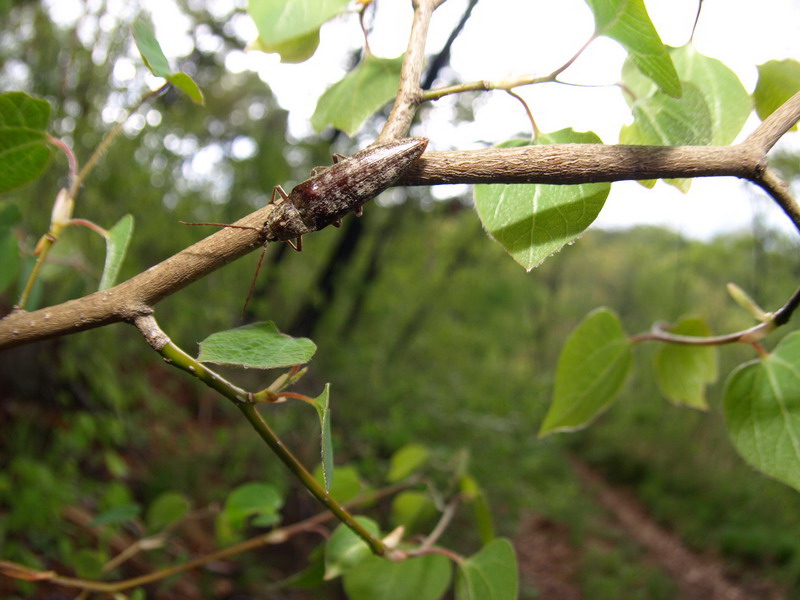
507 37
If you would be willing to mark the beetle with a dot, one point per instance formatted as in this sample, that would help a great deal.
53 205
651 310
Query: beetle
332 192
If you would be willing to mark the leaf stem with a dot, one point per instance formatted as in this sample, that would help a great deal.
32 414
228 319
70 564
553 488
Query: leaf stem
312 485
747 336
109 138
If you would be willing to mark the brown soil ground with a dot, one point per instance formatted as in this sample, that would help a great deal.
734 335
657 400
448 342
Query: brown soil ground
551 562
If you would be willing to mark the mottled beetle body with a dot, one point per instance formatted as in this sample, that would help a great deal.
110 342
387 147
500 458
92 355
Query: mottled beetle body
341 188
332 192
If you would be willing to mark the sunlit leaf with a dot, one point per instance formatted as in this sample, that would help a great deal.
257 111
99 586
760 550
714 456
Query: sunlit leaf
345 549
117 241
295 50
683 372
364 90
627 22
591 370
533 221
279 21
762 410
149 48
778 80
257 345
421 578
188 86
154 59
24 149
726 99
661 120
491 574
406 461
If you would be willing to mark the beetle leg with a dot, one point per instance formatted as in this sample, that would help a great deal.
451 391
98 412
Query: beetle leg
297 244
280 192
359 210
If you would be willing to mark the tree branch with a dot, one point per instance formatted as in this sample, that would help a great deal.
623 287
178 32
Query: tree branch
554 164
409 94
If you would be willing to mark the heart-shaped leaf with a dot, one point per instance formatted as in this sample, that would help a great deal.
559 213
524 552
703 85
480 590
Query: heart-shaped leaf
491 574
682 372
591 370
534 221
778 80
762 410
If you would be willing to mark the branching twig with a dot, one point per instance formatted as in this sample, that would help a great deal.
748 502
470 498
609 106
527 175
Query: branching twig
243 400
747 336
276 536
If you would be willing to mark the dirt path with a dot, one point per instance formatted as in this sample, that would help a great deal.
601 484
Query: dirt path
549 559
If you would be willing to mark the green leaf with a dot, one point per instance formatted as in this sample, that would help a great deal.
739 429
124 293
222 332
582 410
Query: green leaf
279 22
661 120
149 48
116 514
762 410
363 91
347 483
88 563
534 221
591 369
187 85
421 578
407 460
474 495
627 22
9 248
24 149
726 99
682 372
778 80
257 345
491 574
157 63
326 445
345 549
252 500
413 510
166 509
117 241
296 50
